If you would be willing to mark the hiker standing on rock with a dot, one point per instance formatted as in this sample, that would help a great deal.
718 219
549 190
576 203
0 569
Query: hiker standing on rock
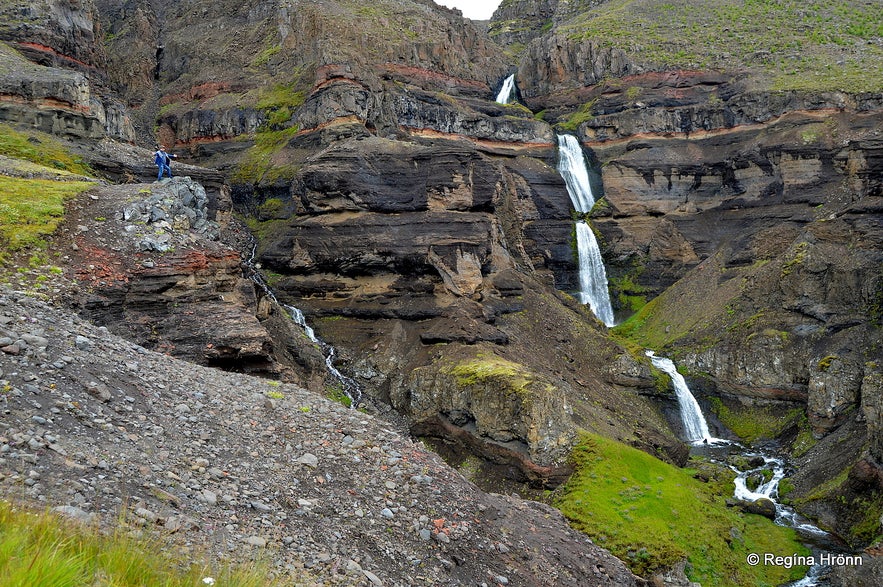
163 162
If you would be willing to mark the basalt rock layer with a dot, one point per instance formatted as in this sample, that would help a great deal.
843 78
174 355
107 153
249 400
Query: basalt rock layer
52 71
429 262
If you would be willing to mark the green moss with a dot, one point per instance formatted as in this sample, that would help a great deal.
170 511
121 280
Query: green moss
867 529
798 256
643 511
785 487
257 164
582 115
825 363
264 56
41 149
754 423
337 393
490 368
804 440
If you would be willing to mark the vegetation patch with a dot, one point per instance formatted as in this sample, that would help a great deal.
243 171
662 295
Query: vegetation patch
41 149
336 393
754 423
490 368
31 209
257 163
41 549
644 511
785 44
581 115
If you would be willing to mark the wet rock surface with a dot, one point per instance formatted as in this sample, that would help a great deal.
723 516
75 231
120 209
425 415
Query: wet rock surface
96 427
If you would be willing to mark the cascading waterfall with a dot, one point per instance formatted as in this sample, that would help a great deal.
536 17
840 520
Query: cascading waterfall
592 275
508 89
695 426
349 385
772 470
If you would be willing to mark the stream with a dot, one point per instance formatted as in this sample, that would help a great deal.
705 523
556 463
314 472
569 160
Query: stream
758 474
348 384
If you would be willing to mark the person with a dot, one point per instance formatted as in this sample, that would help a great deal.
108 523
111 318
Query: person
163 162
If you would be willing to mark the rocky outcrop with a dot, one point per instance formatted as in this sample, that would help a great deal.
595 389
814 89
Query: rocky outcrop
56 101
210 89
515 23
149 265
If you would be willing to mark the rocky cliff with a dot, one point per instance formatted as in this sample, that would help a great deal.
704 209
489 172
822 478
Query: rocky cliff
748 196
426 233
52 69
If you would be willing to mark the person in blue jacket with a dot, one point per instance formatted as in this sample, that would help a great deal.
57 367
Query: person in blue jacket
163 162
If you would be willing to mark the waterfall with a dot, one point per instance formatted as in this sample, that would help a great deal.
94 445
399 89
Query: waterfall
592 276
771 469
349 385
505 95
695 426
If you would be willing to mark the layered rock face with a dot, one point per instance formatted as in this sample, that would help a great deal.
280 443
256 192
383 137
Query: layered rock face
149 265
207 87
430 263
755 213
52 71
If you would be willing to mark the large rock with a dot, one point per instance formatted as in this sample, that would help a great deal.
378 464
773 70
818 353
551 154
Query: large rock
59 87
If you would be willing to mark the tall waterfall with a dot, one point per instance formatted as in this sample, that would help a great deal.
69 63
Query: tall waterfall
505 95
592 276
695 426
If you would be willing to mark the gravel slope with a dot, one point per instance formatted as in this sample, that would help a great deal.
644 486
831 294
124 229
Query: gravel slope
95 426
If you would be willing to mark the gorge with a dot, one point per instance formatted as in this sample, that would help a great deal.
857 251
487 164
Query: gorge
489 223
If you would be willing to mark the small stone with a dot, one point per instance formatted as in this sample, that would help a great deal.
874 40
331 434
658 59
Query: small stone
83 343
210 497
256 541
146 514
99 390
390 485
74 513
425 534
387 513
375 580
310 460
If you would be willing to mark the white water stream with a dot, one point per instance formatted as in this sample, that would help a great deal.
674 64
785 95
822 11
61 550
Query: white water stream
695 426
348 384
764 470
592 275
508 89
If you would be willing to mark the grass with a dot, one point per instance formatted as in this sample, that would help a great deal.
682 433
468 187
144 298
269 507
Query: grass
338 394
785 44
45 550
31 209
645 512
41 149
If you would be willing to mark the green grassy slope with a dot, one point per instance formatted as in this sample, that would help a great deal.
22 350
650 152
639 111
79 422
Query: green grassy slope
785 44
652 515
